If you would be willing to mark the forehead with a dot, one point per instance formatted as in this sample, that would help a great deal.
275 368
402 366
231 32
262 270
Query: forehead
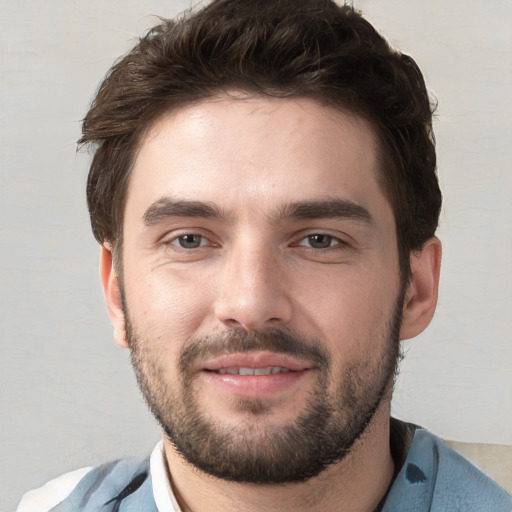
253 151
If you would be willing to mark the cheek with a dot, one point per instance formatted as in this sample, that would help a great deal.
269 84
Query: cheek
354 313
165 305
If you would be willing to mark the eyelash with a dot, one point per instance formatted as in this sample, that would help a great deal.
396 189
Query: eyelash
330 239
177 241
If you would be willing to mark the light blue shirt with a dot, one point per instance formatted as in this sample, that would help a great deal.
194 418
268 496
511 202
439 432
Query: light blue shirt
433 478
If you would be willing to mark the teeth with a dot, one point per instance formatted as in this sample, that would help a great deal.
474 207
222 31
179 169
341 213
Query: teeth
271 370
262 371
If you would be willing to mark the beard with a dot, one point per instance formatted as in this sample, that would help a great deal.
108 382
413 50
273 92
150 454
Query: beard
323 433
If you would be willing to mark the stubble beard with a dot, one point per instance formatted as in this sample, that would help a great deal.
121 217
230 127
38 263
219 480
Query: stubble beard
323 433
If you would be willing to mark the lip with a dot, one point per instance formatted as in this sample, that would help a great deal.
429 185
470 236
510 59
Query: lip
255 386
261 359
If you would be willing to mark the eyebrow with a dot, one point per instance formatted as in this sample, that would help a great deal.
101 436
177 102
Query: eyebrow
336 208
167 207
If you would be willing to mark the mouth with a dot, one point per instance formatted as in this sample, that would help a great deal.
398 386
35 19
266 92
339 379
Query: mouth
255 363
254 374
269 370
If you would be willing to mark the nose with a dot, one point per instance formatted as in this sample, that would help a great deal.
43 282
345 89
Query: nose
252 292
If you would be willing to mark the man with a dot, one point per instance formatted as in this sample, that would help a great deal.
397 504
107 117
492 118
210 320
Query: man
265 197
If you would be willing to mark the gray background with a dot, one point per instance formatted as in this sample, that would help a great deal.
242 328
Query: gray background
67 395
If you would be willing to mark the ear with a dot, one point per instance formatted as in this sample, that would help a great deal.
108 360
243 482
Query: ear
421 294
110 284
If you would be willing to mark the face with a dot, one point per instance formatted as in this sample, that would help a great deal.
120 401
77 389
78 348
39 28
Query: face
261 287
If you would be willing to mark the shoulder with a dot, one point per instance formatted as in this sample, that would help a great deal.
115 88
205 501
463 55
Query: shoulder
52 493
87 487
495 460
461 484
434 477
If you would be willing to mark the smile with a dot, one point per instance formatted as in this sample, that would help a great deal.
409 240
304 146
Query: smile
254 363
270 370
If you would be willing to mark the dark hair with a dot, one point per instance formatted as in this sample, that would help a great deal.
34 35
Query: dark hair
281 48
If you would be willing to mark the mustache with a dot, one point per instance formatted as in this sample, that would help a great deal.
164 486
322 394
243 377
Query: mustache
273 340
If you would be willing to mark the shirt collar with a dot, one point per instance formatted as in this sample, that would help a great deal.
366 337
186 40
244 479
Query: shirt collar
162 490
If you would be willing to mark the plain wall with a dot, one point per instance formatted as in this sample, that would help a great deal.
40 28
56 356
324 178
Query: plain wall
68 397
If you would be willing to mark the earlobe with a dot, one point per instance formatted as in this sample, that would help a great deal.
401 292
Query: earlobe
422 290
110 284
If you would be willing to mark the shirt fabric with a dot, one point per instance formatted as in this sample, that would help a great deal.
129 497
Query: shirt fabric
432 478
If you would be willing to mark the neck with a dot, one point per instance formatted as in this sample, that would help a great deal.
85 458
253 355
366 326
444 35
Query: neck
356 484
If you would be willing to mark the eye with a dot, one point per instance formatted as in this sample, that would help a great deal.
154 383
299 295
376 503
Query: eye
320 241
190 241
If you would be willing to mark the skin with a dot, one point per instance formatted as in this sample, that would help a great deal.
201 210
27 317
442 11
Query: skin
255 268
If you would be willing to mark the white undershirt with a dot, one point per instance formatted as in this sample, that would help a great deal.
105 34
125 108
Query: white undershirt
162 491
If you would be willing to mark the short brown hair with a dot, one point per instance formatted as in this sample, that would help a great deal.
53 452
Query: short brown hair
281 48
